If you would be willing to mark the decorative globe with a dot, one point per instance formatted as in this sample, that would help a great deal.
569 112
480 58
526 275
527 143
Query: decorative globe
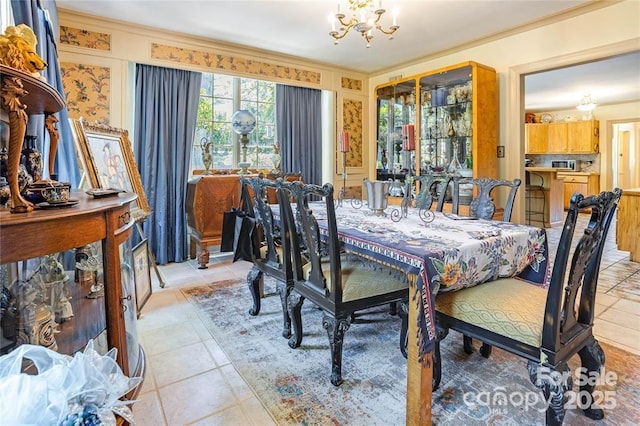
243 122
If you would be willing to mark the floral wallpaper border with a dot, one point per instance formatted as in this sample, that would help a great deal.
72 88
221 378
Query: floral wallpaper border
351 83
352 122
232 63
85 38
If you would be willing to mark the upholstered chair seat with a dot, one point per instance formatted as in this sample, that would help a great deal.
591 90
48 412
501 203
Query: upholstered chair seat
508 307
360 280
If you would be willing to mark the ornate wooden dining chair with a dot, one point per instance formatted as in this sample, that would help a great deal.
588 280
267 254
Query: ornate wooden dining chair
270 258
338 283
482 205
544 326
432 187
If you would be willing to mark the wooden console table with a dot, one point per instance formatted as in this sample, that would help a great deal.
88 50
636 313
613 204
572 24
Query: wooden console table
208 197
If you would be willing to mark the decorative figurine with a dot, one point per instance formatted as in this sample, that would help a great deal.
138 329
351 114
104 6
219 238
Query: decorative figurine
55 278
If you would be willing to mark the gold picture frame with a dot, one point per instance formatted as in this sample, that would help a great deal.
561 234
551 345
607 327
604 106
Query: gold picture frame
106 155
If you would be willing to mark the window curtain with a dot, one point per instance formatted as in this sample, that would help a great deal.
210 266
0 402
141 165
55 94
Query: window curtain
166 106
42 17
299 123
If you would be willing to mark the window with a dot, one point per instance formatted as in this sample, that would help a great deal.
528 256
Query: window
220 97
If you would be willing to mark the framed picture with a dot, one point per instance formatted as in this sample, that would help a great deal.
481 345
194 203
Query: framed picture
106 155
141 274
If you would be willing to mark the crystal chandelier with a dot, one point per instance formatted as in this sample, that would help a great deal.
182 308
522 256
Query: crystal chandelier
365 16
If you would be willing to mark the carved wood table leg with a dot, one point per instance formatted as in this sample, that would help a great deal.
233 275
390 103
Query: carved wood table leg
203 255
11 92
49 121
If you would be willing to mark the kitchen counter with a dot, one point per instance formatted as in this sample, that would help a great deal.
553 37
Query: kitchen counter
550 203
628 223
547 169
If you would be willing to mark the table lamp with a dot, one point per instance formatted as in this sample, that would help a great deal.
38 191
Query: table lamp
243 122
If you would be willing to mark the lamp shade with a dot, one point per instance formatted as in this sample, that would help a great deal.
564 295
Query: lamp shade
243 122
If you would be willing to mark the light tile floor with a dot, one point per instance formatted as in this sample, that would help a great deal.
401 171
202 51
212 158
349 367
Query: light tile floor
190 380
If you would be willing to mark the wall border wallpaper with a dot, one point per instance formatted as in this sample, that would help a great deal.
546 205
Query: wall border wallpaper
85 38
232 63
351 83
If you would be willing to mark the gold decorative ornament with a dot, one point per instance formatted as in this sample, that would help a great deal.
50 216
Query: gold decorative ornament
18 50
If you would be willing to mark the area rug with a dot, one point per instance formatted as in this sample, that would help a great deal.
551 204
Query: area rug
294 385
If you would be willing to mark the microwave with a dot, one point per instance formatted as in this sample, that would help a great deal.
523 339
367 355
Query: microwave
564 164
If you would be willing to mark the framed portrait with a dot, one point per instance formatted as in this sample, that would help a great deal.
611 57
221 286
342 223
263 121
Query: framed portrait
141 274
106 155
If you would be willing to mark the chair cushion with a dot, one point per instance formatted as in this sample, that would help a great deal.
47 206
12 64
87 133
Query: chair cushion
507 306
264 248
359 280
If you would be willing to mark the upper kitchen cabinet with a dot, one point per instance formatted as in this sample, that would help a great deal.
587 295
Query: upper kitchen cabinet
453 128
583 136
575 137
396 104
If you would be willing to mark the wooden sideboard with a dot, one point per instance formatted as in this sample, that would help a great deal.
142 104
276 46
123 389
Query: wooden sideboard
208 197
628 223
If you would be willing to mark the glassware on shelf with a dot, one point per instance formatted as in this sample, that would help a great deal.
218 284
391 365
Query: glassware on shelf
454 166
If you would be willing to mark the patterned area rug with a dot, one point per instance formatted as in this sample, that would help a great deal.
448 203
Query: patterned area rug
293 384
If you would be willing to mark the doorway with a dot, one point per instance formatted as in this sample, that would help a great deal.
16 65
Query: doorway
625 147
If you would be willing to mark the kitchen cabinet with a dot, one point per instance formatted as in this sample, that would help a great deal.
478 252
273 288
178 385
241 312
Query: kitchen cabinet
583 136
584 183
537 138
67 277
550 204
557 138
628 223
575 137
453 115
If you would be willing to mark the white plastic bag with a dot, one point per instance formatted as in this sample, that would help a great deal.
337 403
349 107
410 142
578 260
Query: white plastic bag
87 385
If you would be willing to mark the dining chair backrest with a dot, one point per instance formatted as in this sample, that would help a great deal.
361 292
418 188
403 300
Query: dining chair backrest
432 187
319 251
289 177
257 188
482 205
563 322
272 254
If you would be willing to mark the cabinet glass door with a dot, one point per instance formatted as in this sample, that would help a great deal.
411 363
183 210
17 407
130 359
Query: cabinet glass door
446 127
56 301
396 108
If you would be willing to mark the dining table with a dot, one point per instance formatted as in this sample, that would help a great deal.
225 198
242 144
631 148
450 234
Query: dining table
438 252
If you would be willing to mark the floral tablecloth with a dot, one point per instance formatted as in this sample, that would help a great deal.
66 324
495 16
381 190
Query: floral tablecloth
450 253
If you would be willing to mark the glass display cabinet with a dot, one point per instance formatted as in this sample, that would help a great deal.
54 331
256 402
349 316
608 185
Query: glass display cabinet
396 108
66 277
456 121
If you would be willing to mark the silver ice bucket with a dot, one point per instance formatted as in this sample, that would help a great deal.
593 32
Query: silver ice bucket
377 193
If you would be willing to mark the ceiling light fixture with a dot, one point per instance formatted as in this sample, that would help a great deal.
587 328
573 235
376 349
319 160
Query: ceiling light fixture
365 16
587 104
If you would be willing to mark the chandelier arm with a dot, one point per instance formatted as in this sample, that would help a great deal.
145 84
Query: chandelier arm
349 24
391 30
339 36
